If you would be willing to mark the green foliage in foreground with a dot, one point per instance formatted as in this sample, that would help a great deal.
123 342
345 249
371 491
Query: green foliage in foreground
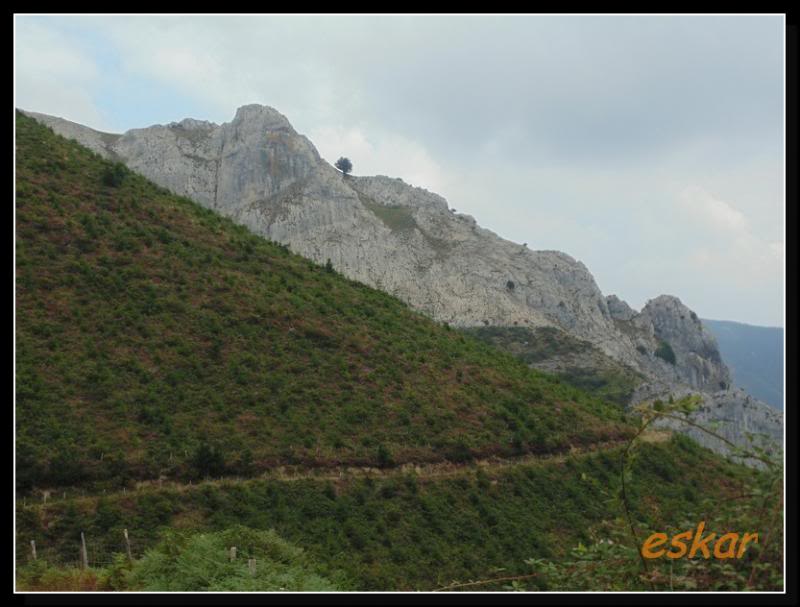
194 562
148 327
405 532
183 562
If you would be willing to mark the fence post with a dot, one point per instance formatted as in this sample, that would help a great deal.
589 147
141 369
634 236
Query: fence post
251 564
33 549
84 555
233 552
127 544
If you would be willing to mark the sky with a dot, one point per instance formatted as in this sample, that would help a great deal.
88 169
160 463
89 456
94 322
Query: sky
648 147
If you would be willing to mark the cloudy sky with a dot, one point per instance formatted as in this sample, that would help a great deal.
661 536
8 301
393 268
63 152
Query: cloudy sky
648 147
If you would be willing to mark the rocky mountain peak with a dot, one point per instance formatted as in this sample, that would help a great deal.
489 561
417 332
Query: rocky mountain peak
678 328
262 116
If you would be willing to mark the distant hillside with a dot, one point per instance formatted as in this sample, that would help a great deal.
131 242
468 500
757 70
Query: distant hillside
754 356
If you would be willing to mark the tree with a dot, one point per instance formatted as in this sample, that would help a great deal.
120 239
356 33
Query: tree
208 461
344 165
114 174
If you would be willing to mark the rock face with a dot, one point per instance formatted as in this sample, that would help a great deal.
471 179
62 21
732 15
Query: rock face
405 240
673 344
737 417
618 309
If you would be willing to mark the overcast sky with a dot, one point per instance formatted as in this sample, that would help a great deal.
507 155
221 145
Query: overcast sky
648 147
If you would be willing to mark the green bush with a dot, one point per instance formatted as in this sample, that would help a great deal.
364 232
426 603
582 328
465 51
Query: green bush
200 562
114 174
208 461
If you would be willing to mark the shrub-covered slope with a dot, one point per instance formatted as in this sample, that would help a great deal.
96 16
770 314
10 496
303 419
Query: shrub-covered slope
405 531
154 337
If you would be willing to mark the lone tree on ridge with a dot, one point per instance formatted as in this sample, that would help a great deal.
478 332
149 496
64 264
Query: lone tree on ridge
344 165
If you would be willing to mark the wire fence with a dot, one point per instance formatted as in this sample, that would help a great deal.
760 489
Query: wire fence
98 553
97 558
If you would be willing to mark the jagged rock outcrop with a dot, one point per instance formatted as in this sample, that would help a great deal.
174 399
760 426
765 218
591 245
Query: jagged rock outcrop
405 240
619 309
672 343
748 423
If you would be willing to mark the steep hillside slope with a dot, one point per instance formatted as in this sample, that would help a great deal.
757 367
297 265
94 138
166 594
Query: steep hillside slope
156 338
755 357
406 531
404 240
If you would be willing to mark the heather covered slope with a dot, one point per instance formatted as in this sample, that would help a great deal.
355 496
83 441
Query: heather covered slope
156 338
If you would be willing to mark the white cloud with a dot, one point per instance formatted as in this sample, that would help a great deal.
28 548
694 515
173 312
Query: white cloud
54 76
725 245
385 154
716 213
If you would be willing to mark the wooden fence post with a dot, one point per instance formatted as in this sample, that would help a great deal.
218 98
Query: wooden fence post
84 555
251 564
33 549
127 544
233 552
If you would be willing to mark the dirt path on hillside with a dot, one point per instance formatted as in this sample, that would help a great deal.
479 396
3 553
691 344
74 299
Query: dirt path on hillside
339 474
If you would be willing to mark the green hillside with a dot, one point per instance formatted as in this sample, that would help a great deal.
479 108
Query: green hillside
149 328
575 362
198 386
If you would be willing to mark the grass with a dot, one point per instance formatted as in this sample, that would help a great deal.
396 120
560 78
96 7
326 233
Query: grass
397 218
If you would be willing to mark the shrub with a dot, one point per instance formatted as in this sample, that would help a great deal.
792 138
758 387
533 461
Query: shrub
208 461
384 456
200 562
114 174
